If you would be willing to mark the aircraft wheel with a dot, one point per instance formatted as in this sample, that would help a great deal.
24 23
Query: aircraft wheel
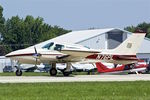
66 73
18 73
53 71
88 72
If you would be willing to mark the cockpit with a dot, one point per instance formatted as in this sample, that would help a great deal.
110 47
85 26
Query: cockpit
58 47
53 46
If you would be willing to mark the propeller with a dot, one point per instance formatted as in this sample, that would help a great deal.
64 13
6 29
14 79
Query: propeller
36 55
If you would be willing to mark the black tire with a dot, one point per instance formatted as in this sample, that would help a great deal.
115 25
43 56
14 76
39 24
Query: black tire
18 73
66 73
88 72
53 72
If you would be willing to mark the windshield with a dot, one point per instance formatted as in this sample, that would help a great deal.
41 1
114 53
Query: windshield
48 46
52 46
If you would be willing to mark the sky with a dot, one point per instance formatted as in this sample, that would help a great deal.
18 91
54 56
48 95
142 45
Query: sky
81 14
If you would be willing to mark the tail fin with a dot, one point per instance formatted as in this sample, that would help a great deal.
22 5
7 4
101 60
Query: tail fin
101 67
131 45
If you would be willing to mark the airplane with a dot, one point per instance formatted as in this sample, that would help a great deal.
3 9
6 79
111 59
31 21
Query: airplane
138 68
77 67
31 67
84 67
54 52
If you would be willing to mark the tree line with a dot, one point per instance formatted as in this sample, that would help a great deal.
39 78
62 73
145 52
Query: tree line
18 33
144 27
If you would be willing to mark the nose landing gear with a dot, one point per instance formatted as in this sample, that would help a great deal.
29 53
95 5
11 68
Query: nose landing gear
18 72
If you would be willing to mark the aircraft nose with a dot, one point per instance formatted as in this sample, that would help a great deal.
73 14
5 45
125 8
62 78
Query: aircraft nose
14 53
10 54
20 53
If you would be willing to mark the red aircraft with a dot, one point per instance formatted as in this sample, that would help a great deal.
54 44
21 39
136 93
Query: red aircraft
140 67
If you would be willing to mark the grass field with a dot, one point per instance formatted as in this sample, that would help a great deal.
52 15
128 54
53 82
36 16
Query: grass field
38 73
138 90
25 74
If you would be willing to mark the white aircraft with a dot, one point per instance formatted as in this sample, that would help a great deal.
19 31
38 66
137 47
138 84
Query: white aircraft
53 53
77 67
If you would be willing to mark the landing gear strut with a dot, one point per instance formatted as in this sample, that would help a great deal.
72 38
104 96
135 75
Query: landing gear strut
53 71
66 71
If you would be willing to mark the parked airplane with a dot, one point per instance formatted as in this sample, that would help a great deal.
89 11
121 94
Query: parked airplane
31 67
138 68
53 53
84 68
77 67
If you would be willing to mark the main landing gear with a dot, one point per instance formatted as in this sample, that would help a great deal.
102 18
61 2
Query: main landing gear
53 71
66 71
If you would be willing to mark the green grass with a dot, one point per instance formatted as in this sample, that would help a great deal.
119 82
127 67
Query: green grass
38 73
138 90
25 74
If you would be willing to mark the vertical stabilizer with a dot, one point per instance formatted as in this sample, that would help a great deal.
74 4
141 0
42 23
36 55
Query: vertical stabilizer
131 45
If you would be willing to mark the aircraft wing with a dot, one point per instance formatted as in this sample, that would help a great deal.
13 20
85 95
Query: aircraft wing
74 55
63 56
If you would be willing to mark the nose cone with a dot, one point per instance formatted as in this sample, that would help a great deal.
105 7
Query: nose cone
23 52
11 54
15 53
7 55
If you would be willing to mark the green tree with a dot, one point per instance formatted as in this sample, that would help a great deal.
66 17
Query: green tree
18 33
2 19
130 28
21 33
15 33
145 27
148 31
2 29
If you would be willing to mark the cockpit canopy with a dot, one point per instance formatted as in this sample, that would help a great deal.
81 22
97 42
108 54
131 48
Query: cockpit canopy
59 47
53 46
